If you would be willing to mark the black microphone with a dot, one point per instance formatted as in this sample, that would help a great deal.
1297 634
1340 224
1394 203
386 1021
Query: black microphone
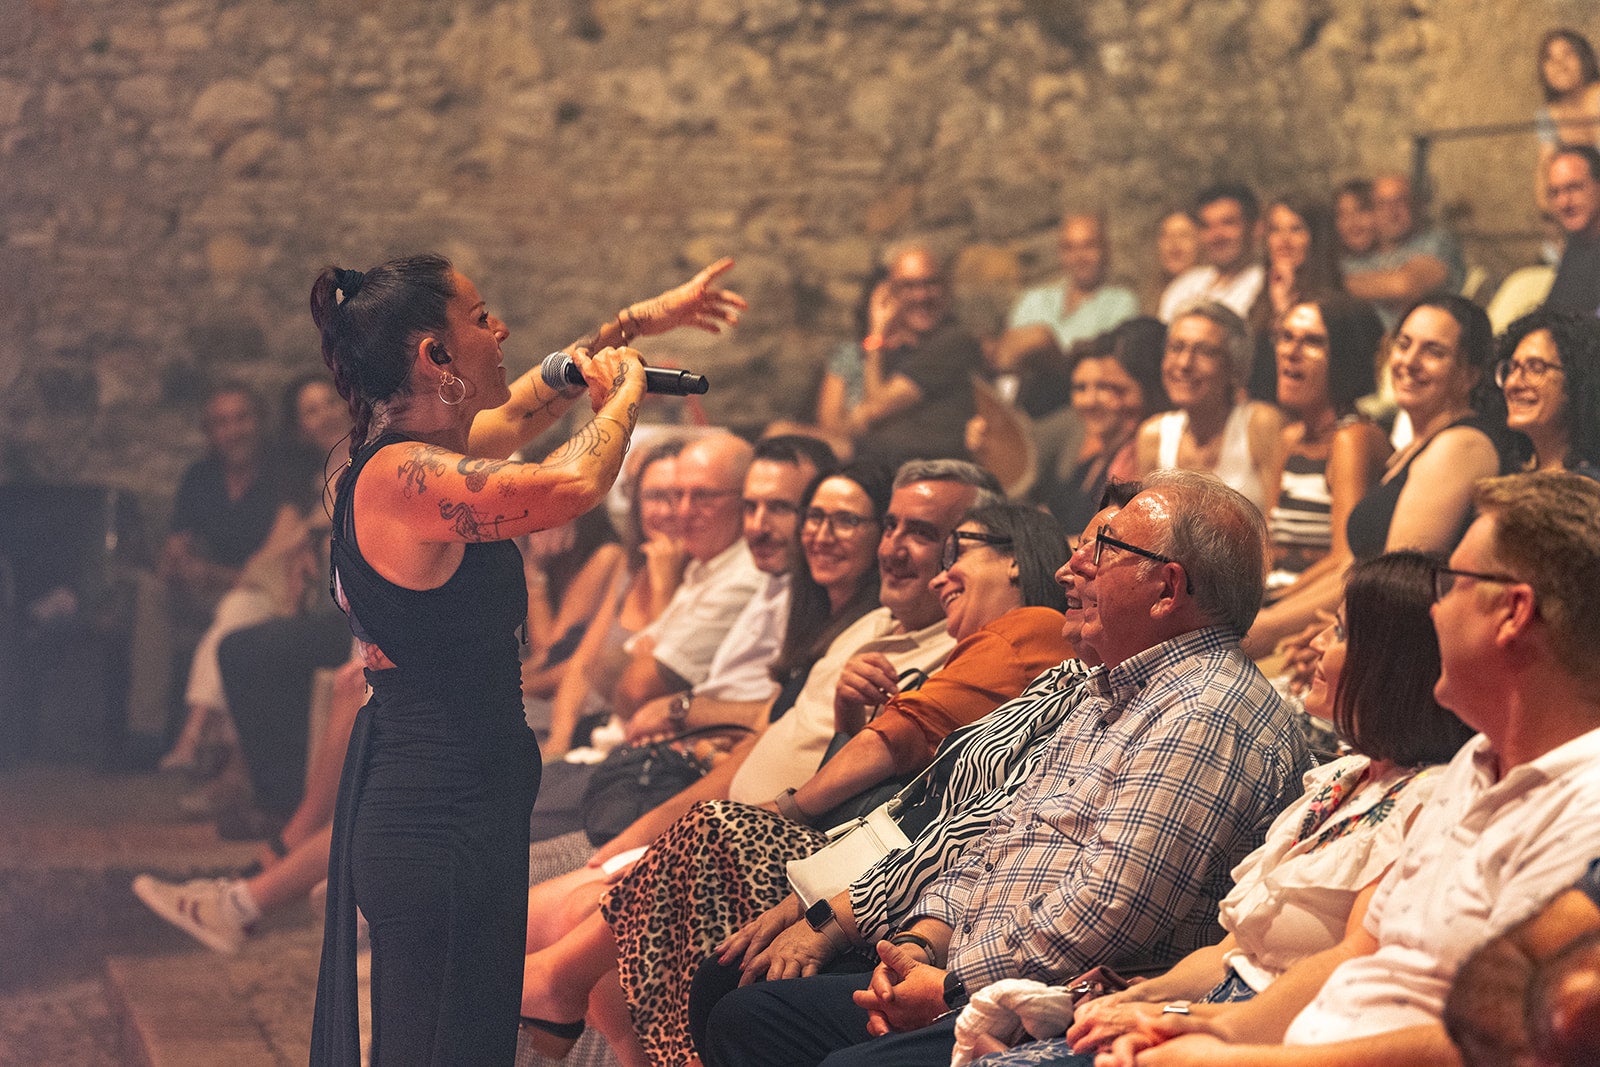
558 372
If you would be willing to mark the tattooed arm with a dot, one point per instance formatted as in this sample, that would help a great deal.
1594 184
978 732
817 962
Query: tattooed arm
412 492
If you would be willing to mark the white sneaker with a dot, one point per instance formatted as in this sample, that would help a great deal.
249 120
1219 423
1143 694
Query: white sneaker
199 908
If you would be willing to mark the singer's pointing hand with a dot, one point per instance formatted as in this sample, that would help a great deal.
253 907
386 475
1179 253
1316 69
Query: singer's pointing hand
694 303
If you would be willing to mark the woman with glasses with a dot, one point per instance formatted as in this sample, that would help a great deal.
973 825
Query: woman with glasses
1549 372
1378 661
724 863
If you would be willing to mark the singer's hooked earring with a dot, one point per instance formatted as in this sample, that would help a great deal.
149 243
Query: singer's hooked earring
456 385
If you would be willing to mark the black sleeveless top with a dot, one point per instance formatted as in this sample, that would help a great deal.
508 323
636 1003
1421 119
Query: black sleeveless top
1367 529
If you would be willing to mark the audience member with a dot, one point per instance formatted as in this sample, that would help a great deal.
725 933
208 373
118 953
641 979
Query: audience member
1569 76
1410 260
916 393
567 569
225 507
1355 220
1229 216
1118 850
673 653
1512 819
1211 428
1302 264
722 862
639 592
1574 188
1177 246
1333 457
1549 371
1075 307
1437 365
1116 385
1379 660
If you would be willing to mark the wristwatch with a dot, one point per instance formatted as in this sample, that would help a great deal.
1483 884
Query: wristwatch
955 991
678 713
820 914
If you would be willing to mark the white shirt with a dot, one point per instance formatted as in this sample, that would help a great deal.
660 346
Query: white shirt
1206 283
739 670
691 628
790 751
1483 855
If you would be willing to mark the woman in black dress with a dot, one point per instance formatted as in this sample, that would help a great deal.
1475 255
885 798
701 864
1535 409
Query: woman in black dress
431 829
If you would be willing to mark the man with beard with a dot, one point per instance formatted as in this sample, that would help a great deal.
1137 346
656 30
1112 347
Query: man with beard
918 394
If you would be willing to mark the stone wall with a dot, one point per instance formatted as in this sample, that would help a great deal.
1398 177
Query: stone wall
176 171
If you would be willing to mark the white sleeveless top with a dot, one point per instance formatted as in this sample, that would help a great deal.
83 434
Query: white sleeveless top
1234 466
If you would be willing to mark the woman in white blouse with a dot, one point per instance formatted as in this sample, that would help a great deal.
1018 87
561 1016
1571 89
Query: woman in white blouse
1293 895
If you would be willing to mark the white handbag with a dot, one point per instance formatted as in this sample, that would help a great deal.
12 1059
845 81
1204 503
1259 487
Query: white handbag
852 847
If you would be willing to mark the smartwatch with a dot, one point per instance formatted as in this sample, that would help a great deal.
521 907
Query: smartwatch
820 914
955 991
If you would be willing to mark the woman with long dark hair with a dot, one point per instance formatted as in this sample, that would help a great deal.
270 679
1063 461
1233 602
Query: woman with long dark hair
431 828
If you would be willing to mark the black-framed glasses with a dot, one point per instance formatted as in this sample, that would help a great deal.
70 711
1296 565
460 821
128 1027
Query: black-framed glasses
1102 539
840 523
952 545
1534 370
1444 579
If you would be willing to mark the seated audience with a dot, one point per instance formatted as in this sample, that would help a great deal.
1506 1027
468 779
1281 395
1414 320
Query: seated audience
711 871
1077 306
1409 261
1355 220
639 591
1116 385
1574 184
1212 428
1569 76
1229 216
1302 264
1118 849
1549 371
1333 456
1514 817
1532 994
1177 246
225 507
568 569
916 378
1291 898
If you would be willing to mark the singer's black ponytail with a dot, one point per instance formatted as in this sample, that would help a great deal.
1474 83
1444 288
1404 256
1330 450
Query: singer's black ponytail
370 323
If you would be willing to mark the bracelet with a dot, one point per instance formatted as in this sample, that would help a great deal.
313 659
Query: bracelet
627 433
872 344
627 333
911 937
790 810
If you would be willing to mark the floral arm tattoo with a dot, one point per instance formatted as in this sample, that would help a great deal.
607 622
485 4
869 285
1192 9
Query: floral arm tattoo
470 522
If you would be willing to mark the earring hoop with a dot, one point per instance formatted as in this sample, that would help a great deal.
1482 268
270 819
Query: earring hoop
450 381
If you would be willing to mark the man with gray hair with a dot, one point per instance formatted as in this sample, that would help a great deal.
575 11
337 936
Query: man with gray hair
1118 849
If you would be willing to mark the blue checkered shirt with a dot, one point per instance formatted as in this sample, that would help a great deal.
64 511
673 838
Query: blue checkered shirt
1118 849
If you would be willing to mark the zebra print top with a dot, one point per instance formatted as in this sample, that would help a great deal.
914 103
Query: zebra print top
987 763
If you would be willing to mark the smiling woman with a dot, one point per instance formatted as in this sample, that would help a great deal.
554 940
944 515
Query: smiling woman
431 830
1549 372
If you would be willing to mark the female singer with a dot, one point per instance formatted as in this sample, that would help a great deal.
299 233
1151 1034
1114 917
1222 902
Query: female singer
431 827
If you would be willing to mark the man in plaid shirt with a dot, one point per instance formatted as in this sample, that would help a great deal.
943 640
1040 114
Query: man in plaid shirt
1119 847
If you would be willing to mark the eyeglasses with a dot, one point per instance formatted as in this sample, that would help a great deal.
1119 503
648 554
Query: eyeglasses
1534 370
952 545
1201 349
1444 579
1102 539
839 523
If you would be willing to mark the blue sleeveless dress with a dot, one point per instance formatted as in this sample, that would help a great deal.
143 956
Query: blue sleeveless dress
430 833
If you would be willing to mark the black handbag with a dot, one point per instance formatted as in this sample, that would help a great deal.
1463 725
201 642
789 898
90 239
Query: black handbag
632 779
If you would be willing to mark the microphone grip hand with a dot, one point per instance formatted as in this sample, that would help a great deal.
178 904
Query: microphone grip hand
558 371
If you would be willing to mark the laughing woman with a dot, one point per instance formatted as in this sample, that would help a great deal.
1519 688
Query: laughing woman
431 828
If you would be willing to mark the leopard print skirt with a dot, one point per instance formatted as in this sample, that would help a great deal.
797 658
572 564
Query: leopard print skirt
714 870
